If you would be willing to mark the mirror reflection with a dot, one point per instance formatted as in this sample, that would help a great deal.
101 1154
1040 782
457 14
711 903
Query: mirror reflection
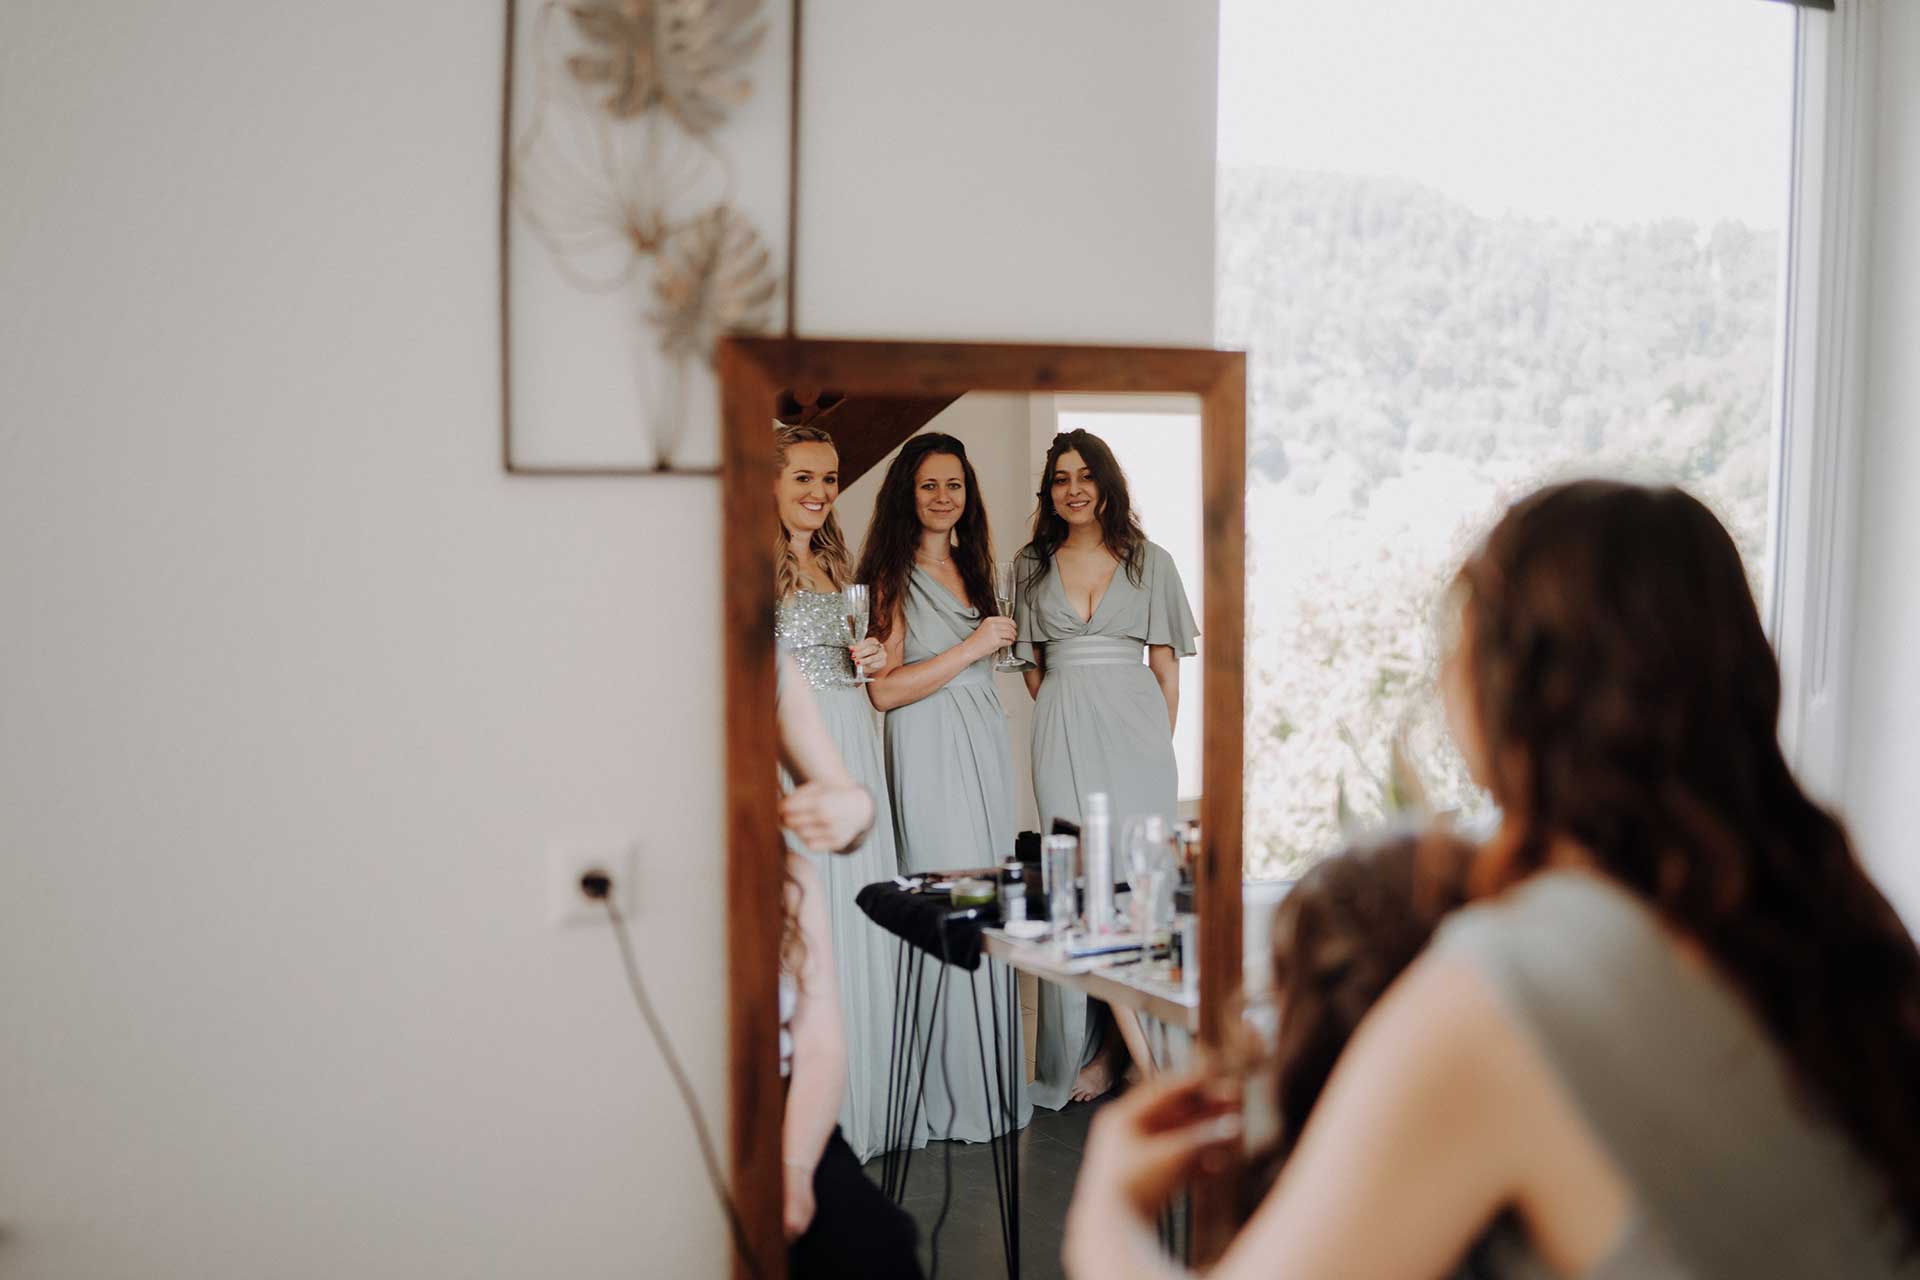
993 603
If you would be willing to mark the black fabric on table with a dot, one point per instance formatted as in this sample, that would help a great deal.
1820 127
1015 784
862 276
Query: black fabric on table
920 918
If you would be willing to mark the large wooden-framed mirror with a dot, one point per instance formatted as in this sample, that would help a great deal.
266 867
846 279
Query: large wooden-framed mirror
1168 413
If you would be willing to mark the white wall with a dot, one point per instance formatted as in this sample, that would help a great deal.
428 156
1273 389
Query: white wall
1883 748
296 686
1040 171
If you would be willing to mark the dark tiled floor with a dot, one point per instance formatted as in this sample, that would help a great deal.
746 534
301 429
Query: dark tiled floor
970 1241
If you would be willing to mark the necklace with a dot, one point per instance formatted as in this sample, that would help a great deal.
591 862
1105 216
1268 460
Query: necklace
931 560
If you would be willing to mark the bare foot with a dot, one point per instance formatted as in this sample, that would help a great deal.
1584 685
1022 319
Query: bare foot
1095 1079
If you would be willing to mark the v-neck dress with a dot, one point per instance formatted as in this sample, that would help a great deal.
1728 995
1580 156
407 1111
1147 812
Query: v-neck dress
1099 725
812 626
950 774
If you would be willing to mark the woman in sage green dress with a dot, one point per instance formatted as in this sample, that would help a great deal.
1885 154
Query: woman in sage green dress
929 562
1102 615
811 566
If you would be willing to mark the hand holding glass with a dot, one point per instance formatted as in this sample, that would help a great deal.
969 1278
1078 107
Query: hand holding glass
857 606
1003 593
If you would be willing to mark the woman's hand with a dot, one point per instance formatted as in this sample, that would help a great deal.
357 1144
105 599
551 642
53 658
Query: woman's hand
796 1211
992 635
869 655
827 816
1142 1147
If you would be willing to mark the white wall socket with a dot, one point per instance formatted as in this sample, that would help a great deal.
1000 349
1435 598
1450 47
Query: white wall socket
567 861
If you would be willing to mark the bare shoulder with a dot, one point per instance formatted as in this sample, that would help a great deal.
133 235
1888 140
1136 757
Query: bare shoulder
1441 1025
1438 1116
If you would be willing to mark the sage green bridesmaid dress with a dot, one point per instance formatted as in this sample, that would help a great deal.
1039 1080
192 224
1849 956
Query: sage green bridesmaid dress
812 626
1099 724
950 774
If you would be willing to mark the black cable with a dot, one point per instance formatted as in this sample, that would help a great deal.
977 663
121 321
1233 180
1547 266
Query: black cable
679 1076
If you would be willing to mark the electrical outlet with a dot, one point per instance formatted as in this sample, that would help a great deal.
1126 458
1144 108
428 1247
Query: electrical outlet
567 903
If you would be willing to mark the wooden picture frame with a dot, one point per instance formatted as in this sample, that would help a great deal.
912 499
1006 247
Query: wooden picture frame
752 372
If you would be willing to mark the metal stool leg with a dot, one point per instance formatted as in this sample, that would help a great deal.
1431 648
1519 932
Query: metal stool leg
1010 1108
989 1085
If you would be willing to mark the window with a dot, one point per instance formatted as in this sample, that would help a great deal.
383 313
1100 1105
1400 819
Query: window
1470 249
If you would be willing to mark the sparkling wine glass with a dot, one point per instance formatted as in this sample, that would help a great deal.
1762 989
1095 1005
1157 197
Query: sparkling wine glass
857 605
1003 593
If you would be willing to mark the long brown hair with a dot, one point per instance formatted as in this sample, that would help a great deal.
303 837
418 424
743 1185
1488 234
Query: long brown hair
1628 702
894 536
1341 936
828 543
1119 528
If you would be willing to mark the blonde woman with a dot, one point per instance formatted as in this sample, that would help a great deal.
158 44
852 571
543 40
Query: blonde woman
812 566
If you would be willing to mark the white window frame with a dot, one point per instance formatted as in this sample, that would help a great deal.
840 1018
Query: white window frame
1822 388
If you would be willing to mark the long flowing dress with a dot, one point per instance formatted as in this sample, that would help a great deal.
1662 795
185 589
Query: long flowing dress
950 771
813 627
1099 724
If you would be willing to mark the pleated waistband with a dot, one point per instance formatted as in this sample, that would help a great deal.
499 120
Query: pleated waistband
1087 651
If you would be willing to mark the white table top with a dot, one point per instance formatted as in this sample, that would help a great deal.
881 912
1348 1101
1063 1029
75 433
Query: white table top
1124 980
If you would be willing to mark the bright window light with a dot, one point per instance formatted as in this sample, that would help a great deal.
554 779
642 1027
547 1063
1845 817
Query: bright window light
1471 248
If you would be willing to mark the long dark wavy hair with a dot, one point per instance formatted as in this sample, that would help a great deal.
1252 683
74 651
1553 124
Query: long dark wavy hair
886 560
1340 938
1628 701
1119 527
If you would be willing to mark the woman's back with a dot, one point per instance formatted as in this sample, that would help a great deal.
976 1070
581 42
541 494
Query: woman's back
1730 1174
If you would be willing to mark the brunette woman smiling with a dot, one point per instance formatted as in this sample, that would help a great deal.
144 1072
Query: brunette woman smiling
812 567
929 560
1092 596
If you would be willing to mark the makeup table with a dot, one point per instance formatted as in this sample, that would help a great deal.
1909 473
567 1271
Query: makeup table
1123 981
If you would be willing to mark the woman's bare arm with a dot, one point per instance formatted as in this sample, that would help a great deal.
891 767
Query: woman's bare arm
819 1049
806 748
828 810
1166 670
900 683
1438 1115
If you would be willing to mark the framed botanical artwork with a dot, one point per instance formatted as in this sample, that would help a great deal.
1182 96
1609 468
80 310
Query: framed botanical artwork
644 180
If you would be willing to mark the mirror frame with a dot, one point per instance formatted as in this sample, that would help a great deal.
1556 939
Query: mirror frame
752 372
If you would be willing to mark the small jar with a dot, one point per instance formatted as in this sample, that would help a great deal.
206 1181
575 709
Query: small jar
970 892
1013 891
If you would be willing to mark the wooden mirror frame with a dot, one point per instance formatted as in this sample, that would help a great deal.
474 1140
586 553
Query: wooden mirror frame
752 372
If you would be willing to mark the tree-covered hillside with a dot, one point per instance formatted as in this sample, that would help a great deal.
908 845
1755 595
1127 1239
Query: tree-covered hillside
1414 364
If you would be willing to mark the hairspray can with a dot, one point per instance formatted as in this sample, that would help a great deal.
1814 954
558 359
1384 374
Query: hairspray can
1096 851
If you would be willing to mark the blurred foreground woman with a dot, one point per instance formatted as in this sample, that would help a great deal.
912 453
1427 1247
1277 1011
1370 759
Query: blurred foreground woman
1677 1033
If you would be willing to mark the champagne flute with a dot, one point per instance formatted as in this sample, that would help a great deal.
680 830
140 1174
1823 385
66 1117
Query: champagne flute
1003 593
857 606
